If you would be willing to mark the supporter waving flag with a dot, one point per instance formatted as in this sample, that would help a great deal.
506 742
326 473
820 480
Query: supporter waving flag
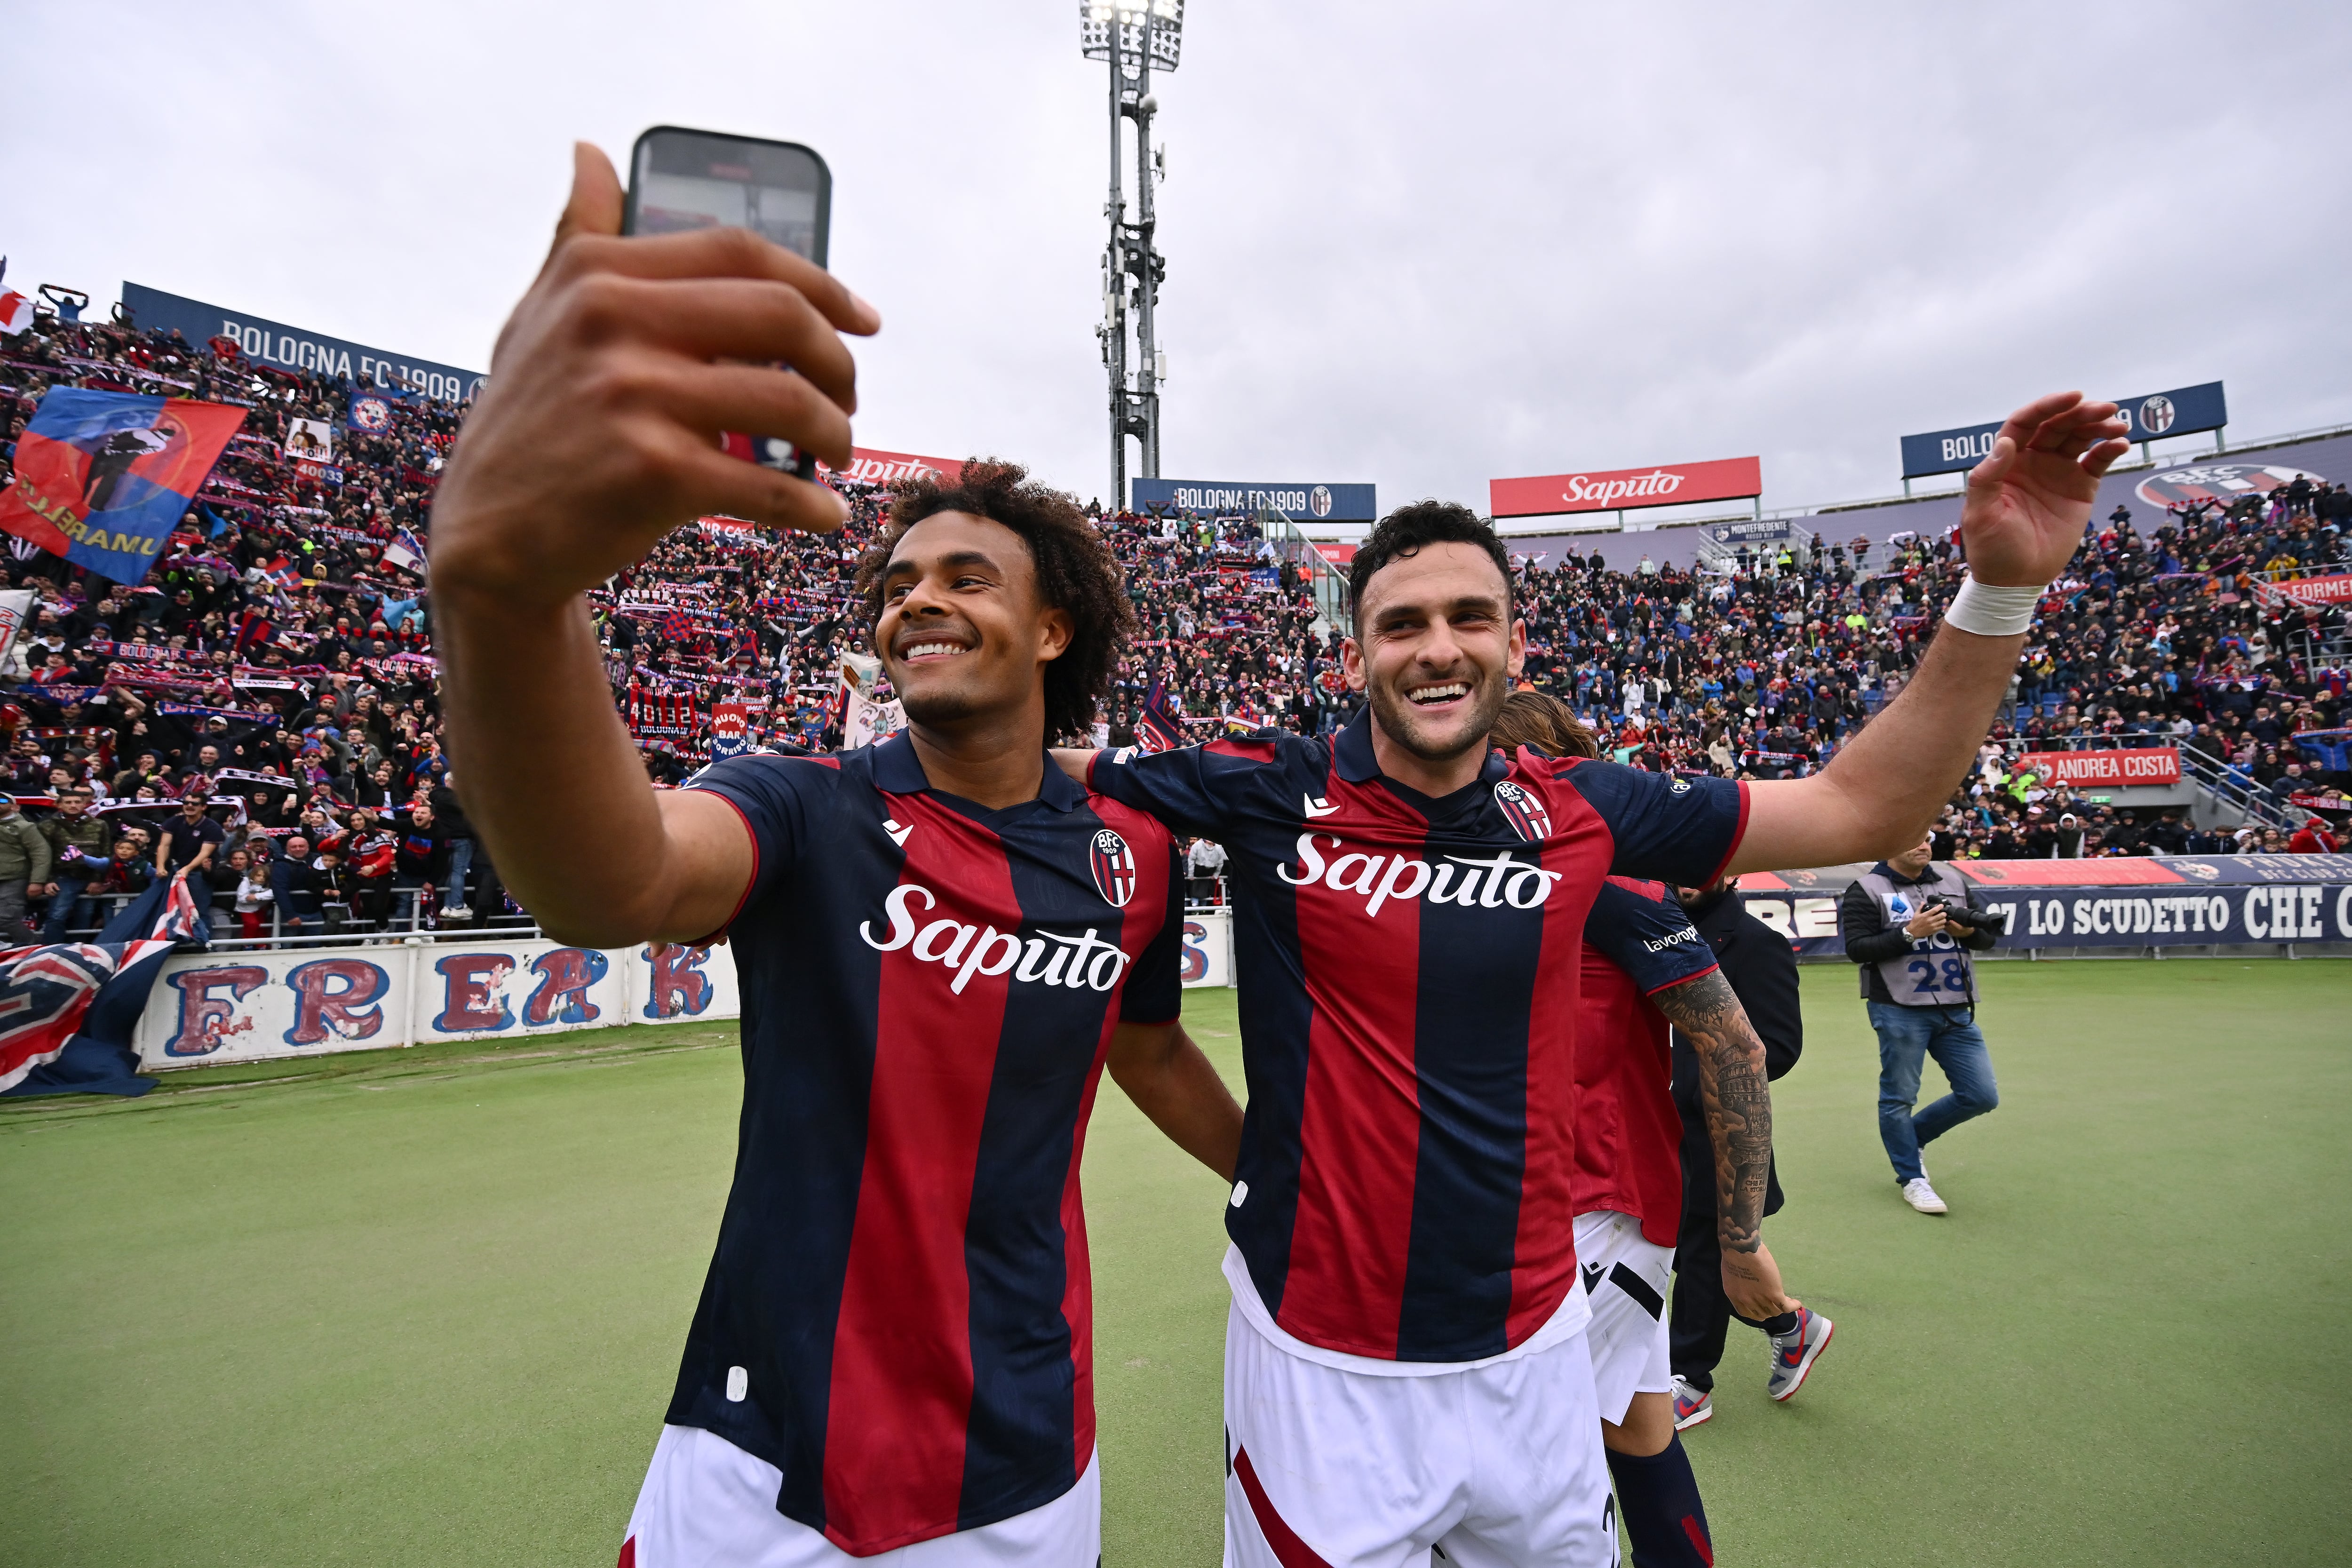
1159 729
46 991
254 630
371 408
406 552
102 478
15 312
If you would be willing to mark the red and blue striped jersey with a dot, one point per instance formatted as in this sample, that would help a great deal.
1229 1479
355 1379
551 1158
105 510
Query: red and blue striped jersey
1638 941
899 1313
1409 969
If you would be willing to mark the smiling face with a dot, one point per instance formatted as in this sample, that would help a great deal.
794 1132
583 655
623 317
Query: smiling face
1436 650
961 634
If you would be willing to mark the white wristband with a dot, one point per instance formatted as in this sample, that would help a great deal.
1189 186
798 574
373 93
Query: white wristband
1993 611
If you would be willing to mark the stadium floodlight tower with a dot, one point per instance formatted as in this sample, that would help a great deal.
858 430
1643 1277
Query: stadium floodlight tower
1135 37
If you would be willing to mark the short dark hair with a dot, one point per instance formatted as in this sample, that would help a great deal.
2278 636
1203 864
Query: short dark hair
1077 573
1413 527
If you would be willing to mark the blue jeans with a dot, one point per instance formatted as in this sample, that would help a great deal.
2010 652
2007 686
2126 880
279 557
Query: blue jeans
461 861
1907 1037
68 908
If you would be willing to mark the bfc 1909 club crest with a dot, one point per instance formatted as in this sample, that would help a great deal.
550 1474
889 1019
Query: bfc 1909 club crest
1523 811
1113 864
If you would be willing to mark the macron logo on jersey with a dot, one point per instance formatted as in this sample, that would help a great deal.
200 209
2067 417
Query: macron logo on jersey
898 833
1318 806
1049 958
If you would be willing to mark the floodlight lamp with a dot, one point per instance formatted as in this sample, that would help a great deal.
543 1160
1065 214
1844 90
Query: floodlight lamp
1161 20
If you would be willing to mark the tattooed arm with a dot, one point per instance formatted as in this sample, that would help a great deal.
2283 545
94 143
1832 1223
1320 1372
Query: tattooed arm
1739 1104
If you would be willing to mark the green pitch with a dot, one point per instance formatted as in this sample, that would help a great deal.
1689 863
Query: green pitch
425 1306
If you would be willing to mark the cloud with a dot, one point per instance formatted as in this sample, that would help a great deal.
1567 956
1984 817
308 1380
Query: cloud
1419 244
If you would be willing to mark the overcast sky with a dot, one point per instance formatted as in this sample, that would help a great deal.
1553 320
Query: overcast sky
1422 245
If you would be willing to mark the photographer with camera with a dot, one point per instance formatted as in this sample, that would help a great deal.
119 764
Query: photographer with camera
1910 924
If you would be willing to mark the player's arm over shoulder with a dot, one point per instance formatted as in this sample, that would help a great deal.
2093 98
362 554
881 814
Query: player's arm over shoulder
730 832
1680 828
1195 790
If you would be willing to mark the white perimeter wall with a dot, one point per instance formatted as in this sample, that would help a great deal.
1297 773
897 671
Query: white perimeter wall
262 1006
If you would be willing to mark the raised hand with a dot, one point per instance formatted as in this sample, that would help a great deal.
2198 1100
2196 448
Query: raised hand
599 430
2028 502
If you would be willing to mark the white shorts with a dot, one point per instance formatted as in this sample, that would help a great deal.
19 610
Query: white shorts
709 1504
1499 1466
1624 1278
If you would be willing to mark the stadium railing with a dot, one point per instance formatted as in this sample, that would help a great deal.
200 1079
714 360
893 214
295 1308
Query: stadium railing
2228 787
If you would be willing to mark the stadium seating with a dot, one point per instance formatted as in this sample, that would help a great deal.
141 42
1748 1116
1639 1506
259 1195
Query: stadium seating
286 632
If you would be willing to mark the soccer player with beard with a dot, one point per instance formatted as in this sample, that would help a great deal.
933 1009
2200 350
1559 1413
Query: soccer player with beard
941 940
1405 1366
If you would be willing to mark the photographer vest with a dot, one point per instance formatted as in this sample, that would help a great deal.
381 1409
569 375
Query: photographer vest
1936 972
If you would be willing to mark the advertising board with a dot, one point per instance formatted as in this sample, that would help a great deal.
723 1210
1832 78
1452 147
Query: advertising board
2329 590
2169 900
259 1006
2107 769
2183 411
213 1007
1301 501
282 347
1625 489
1208 958
868 466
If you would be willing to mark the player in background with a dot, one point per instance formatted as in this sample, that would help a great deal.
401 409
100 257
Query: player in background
941 940
1408 911
1756 962
1645 965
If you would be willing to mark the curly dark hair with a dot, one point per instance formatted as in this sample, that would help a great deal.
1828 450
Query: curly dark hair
1416 525
1077 573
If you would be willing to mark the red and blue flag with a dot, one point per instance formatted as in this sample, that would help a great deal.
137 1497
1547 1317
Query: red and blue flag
102 478
1158 728
254 630
45 993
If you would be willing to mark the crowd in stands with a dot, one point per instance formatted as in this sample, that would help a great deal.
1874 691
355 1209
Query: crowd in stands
260 711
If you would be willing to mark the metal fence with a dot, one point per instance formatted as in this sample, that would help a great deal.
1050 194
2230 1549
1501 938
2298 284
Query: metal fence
337 923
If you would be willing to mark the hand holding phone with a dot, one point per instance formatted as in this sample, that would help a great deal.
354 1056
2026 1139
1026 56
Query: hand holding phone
598 430
681 181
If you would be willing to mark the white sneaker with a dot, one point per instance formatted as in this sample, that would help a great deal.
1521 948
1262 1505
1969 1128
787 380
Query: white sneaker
455 912
1921 1196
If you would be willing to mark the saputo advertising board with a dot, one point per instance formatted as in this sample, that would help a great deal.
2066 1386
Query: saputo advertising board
2175 901
1625 489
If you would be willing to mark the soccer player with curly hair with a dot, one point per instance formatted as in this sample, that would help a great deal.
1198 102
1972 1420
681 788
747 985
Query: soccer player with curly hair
942 941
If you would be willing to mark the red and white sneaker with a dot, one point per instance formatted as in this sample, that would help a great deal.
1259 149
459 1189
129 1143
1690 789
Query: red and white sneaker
1793 1353
1692 1405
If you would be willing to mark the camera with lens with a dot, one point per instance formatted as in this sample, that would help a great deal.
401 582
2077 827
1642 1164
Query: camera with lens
1956 911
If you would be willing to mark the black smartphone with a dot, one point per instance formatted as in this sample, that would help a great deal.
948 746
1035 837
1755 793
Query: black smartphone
681 180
